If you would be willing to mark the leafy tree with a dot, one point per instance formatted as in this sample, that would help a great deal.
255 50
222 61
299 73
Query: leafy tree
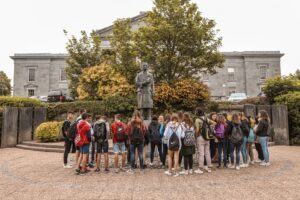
83 52
5 87
277 86
296 74
101 82
178 42
123 57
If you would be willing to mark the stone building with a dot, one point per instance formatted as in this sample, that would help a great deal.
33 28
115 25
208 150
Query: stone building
243 72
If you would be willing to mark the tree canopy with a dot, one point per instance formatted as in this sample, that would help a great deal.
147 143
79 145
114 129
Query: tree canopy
5 87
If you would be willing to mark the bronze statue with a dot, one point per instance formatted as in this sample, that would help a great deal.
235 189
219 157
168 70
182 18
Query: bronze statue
145 91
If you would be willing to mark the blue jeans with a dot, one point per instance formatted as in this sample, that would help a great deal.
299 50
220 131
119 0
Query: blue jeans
140 148
222 148
244 150
264 145
237 148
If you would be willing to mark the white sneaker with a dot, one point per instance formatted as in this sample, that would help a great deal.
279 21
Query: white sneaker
244 165
116 171
168 173
176 175
151 164
268 164
252 162
184 172
237 168
263 163
67 166
207 169
130 171
230 166
258 161
198 171
191 171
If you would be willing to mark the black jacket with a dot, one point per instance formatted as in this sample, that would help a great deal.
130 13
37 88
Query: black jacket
153 126
244 127
262 128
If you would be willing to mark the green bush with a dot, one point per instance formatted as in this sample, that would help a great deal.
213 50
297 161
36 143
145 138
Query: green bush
110 106
48 131
292 100
255 101
7 101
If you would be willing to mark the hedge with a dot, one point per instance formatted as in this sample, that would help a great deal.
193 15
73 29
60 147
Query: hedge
13 101
292 100
49 132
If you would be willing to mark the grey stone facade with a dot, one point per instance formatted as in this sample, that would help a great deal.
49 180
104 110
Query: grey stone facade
243 72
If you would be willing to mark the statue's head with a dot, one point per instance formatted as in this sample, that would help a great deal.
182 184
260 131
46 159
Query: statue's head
144 66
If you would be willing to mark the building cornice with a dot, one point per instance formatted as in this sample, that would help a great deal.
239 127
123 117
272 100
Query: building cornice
39 56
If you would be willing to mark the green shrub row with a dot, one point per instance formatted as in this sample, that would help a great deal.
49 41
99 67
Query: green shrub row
12 101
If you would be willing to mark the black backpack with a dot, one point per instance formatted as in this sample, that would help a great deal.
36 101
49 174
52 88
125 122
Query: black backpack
120 134
100 132
236 135
136 135
206 131
174 142
73 130
155 135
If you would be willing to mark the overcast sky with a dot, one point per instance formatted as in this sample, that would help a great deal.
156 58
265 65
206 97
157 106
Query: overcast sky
35 26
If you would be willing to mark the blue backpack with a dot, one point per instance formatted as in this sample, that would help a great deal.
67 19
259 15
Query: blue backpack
251 136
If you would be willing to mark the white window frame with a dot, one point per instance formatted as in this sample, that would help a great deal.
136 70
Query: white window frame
60 75
33 92
231 72
28 74
266 67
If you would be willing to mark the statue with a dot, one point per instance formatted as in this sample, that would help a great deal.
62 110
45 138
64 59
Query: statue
145 91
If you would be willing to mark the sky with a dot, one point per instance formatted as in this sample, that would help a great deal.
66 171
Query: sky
36 26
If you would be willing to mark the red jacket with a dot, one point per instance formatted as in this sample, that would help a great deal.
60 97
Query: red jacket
114 130
83 128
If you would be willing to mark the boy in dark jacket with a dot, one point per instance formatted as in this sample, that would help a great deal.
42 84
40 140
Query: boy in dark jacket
155 139
69 143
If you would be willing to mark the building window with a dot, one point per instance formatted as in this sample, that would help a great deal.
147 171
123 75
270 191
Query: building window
263 72
31 74
231 90
230 74
63 76
30 92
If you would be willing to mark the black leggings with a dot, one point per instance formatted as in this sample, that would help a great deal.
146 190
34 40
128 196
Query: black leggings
259 151
69 148
153 145
164 154
188 162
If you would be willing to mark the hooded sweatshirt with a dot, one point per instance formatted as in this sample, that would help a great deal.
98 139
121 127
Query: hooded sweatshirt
84 129
174 127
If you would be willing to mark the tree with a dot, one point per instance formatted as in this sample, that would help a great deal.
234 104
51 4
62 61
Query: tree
278 86
178 42
83 52
5 87
123 57
296 75
101 82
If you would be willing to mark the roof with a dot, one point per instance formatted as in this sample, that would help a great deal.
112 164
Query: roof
39 56
142 15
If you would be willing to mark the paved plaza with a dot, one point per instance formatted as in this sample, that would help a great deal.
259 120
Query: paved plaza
28 174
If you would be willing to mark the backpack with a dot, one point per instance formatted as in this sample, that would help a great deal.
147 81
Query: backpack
251 136
174 142
72 133
120 134
155 135
136 135
206 131
236 135
189 138
100 132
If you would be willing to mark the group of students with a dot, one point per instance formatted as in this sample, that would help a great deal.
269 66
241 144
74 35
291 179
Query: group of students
176 137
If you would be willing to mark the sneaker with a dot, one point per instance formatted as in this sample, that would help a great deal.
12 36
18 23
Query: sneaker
258 161
263 163
207 169
244 165
82 173
267 164
176 175
191 171
237 168
151 164
168 173
116 171
230 166
219 166
184 172
90 165
106 170
252 162
198 171
130 171
67 166
77 171
97 170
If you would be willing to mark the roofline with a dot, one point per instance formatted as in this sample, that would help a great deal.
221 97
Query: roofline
39 56
133 19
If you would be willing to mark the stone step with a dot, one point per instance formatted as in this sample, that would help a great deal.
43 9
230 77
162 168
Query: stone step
36 148
56 145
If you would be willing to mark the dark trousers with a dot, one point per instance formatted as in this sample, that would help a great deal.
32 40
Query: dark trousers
259 151
222 149
188 162
213 148
158 145
69 145
180 159
164 154
128 152
93 152
140 148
